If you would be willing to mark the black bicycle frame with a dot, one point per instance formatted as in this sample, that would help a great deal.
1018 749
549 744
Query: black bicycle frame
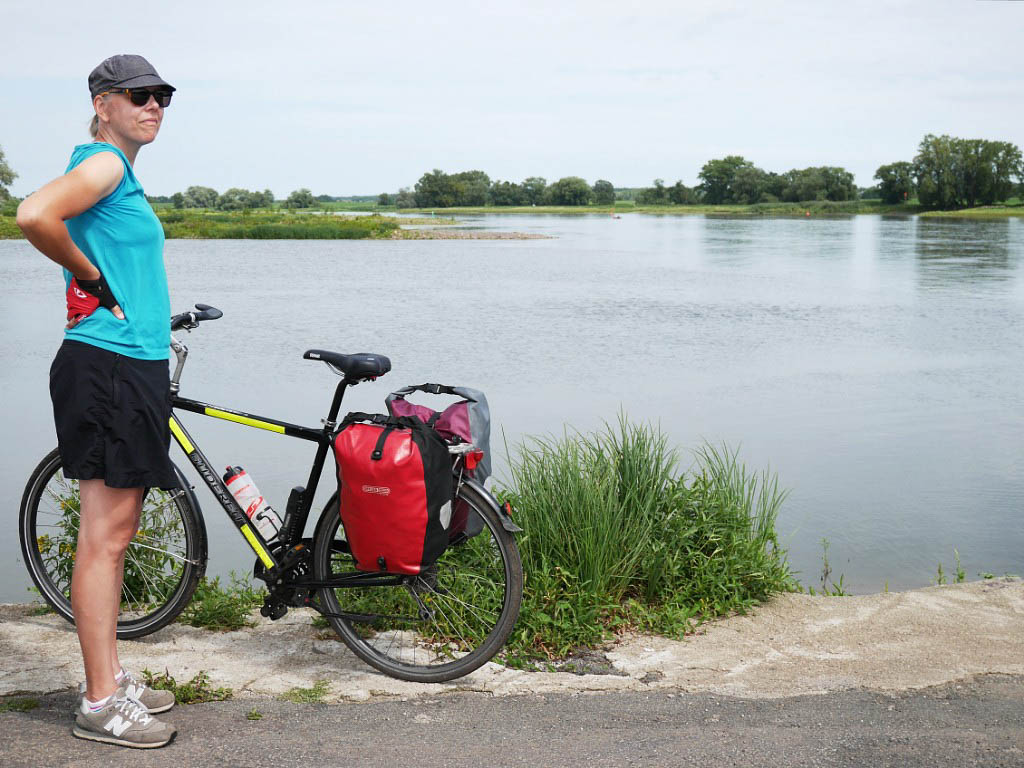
321 436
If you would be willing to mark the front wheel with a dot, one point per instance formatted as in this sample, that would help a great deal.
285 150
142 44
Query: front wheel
163 563
440 624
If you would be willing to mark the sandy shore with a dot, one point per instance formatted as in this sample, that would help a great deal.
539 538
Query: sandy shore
794 644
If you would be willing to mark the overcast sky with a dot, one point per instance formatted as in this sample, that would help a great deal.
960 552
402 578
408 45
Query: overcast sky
348 98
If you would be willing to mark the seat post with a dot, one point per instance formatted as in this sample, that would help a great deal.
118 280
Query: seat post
332 415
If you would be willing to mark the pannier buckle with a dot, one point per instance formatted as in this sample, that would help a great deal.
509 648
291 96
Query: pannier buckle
434 389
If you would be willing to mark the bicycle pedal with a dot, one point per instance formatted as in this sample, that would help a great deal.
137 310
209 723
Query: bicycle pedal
273 609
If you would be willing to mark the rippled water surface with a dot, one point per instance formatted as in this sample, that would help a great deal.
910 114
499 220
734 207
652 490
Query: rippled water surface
874 363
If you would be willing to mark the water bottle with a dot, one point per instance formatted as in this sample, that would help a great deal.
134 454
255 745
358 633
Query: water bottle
249 498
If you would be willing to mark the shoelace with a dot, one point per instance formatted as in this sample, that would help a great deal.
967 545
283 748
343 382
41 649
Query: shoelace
133 688
133 709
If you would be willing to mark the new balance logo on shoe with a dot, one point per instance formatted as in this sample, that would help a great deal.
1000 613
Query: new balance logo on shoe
117 726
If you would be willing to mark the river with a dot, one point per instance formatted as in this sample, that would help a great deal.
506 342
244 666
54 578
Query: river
873 363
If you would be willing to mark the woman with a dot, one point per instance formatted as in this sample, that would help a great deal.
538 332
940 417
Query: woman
109 380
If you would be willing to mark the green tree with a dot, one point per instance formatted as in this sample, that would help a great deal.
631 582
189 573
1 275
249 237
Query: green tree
935 172
749 184
264 199
436 189
680 194
1007 164
802 185
717 176
301 198
178 200
471 187
656 195
534 189
7 176
507 193
839 185
603 192
384 199
953 172
405 198
234 199
570 190
895 182
200 197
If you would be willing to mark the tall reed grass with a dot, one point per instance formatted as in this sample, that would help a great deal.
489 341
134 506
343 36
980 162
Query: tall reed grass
618 537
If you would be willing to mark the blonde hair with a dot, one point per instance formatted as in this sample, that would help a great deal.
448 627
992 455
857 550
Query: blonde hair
94 124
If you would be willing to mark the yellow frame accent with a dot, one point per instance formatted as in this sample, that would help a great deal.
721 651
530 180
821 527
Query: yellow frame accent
256 546
179 435
244 420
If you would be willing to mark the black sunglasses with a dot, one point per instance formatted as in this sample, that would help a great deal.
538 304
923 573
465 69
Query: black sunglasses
140 96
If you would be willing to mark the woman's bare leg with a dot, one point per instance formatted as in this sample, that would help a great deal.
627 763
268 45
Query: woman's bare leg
120 581
108 520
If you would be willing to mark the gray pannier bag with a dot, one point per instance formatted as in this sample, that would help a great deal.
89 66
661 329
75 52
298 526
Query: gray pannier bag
468 420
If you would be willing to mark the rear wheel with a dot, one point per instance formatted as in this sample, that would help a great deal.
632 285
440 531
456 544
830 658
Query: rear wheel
163 563
438 625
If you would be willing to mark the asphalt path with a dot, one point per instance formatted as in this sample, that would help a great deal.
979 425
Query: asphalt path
977 722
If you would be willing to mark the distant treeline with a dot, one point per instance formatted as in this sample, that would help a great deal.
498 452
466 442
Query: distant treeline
947 173
234 199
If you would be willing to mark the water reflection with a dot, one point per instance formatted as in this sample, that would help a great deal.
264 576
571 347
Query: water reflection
953 251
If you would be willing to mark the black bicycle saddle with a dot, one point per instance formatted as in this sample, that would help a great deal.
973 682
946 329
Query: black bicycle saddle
361 365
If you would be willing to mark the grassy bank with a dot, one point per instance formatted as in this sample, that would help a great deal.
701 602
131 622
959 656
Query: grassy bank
272 226
617 537
982 212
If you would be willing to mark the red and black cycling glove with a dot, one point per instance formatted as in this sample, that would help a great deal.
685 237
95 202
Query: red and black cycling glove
84 296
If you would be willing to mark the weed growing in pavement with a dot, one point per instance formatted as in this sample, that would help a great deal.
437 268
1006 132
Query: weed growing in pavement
313 695
18 705
196 691
836 589
223 608
940 577
254 714
960 575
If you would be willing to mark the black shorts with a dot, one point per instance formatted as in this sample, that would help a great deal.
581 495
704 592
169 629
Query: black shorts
111 414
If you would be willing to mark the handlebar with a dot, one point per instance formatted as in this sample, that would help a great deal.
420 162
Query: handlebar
190 320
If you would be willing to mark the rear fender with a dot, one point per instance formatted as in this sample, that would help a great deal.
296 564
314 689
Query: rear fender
504 511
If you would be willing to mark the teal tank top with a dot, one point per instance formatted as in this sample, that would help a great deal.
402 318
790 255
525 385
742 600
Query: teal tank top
122 236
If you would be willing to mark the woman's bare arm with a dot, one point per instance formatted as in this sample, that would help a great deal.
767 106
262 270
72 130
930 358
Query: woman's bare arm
41 215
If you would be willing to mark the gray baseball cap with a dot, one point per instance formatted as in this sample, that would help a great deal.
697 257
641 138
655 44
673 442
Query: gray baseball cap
125 70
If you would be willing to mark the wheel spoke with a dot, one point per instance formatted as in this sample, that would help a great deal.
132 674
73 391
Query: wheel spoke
159 574
463 604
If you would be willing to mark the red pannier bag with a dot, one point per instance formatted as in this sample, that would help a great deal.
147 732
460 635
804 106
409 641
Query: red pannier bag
468 420
395 489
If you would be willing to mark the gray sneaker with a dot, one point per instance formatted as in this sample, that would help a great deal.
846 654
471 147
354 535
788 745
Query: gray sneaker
153 700
123 721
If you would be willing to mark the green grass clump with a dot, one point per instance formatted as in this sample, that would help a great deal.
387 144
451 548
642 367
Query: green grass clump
616 538
313 695
9 229
196 691
18 705
222 608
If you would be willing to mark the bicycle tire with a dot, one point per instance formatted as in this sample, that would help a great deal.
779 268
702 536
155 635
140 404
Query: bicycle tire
460 636
163 564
